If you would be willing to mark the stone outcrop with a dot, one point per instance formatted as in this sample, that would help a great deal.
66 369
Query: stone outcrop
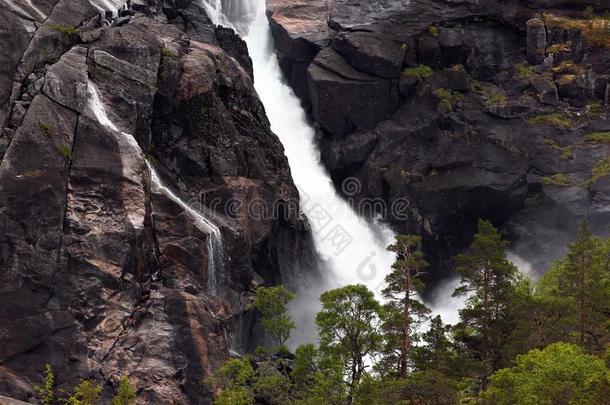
104 271
496 102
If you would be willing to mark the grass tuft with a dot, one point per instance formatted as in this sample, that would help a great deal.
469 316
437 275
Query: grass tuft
422 72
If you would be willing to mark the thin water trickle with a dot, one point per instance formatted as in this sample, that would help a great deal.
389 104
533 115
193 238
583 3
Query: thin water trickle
214 241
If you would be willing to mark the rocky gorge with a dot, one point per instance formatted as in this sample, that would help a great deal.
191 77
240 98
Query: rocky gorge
468 109
133 140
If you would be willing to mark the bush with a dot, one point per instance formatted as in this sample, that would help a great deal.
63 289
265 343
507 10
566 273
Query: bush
559 374
85 393
126 394
447 98
422 72
46 390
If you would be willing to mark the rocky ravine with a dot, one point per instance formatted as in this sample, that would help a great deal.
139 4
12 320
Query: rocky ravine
101 273
468 109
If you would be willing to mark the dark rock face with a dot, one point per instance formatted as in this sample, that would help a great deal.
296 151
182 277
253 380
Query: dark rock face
485 135
103 271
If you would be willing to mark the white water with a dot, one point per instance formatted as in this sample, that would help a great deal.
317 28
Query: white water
96 109
364 260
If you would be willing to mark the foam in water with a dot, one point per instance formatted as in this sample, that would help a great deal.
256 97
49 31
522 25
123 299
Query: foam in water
96 109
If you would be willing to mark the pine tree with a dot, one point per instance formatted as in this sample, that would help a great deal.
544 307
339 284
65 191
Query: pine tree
436 352
581 284
487 277
403 310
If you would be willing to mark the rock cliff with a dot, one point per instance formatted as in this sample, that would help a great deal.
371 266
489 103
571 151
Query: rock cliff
106 267
468 109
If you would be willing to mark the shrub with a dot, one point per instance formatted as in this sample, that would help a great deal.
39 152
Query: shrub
85 393
600 137
422 72
126 395
553 119
447 98
46 390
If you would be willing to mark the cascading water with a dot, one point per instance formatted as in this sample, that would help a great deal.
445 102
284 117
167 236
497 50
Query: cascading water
354 249
215 261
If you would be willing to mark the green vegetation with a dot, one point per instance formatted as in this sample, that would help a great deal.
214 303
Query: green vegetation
433 30
448 99
45 127
497 99
68 30
568 67
553 119
601 169
559 180
517 341
87 392
566 152
422 72
596 108
126 395
65 151
524 71
272 303
595 29
561 373
45 391
600 137
403 311
168 53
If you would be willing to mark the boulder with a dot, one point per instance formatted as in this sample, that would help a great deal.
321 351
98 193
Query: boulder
547 91
371 53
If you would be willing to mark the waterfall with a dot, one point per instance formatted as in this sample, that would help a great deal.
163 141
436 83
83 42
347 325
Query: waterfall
95 108
353 248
